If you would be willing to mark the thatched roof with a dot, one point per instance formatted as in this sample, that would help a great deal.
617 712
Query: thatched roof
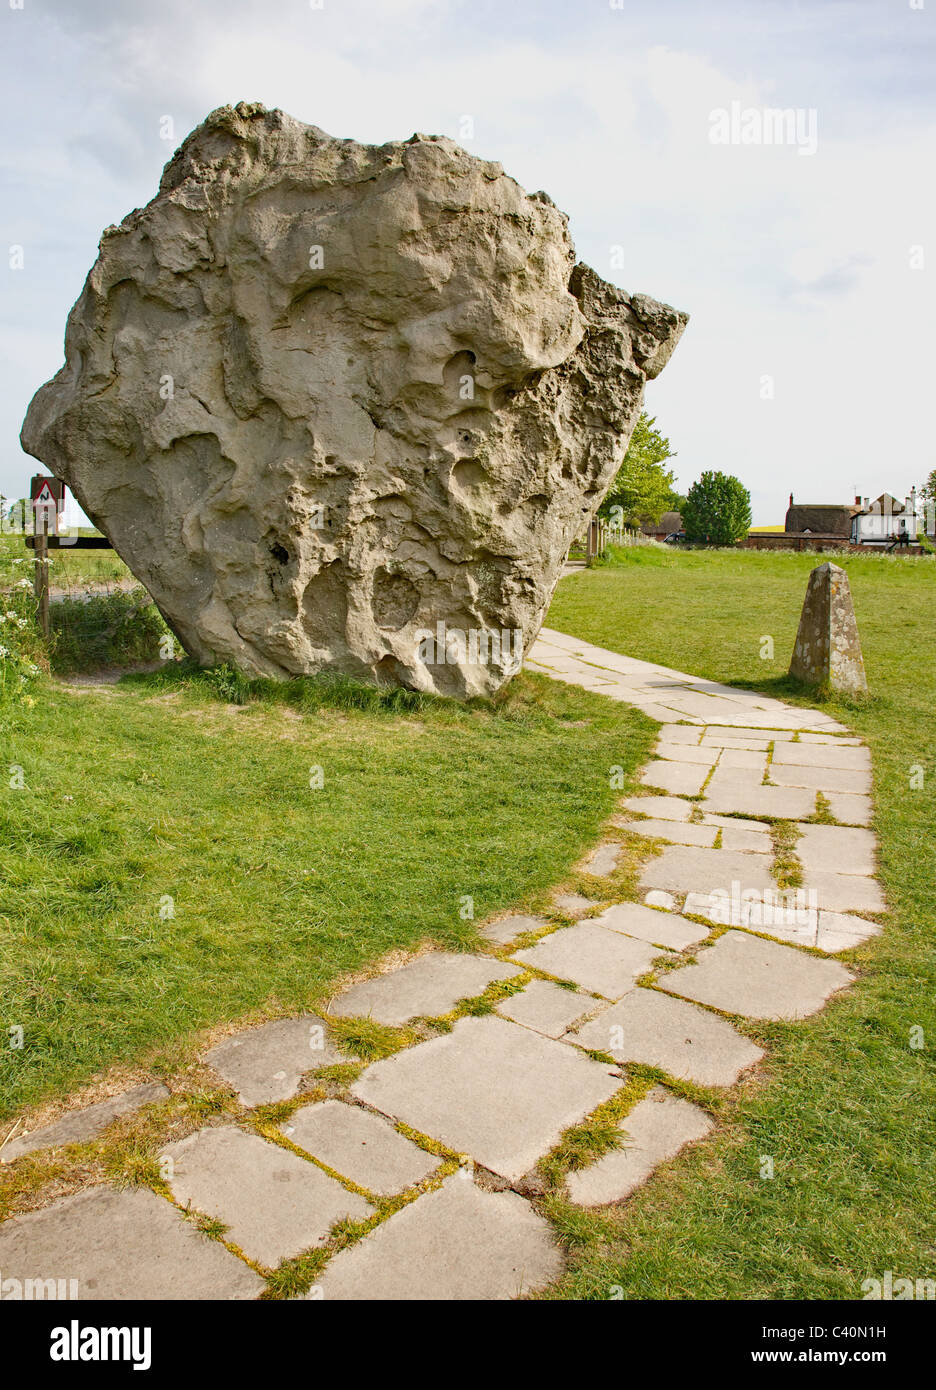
668 525
833 519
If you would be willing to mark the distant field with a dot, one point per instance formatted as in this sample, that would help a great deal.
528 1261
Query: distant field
71 569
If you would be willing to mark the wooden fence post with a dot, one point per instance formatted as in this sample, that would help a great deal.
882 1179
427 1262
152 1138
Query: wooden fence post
41 581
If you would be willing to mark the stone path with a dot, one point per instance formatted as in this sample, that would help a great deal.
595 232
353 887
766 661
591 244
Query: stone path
419 1176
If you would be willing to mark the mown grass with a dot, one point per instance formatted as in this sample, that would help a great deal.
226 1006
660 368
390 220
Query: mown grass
167 865
848 1108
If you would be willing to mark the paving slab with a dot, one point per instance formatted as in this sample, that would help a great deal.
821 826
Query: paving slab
573 904
456 1243
603 860
822 779
836 741
659 807
750 836
737 778
662 928
735 796
674 696
359 1145
649 707
686 753
748 740
491 1089
598 960
546 1008
746 975
266 1063
844 892
680 733
657 898
838 931
425 988
849 808
684 869
683 779
509 928
689 1043
747 841
122 1245
81 1125
828 755
841 849
747 758
673 832
712 709
655 1130
274 1203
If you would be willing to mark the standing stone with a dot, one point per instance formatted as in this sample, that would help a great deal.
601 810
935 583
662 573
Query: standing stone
828 650
345 407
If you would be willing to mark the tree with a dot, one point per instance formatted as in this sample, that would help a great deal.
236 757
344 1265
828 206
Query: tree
717 510
643 488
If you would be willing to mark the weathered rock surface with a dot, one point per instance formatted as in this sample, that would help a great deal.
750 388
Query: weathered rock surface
324 396
827 651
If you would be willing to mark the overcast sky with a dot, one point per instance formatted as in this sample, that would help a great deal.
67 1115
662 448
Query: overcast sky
799 268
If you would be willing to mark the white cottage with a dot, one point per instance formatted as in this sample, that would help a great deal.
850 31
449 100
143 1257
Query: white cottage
885 520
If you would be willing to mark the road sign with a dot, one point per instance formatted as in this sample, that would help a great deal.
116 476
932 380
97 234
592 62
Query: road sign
48 505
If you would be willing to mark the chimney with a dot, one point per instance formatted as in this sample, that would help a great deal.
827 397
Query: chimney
857 501
791 499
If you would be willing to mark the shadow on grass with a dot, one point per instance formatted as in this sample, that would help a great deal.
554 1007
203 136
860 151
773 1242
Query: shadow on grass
525 699
795 691
102 631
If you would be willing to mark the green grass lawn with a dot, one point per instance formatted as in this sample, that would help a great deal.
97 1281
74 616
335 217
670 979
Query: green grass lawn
847 1108
162 788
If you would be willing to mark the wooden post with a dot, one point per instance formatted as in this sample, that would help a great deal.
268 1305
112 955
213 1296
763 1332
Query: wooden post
47 496
41 581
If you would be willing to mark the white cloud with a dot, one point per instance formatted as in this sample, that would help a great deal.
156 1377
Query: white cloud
791 266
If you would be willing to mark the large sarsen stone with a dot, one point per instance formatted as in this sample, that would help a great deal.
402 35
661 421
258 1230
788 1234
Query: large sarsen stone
344 406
